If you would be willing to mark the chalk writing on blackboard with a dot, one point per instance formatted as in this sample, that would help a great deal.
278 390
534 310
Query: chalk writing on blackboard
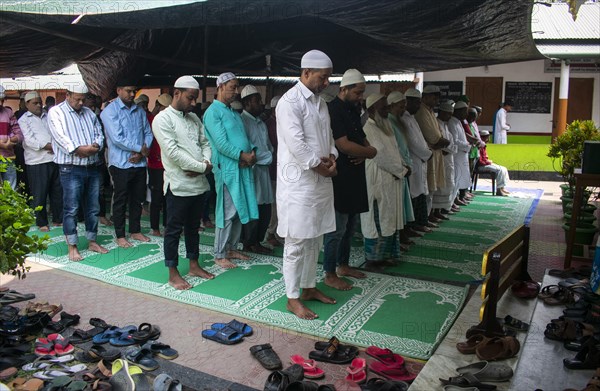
529 97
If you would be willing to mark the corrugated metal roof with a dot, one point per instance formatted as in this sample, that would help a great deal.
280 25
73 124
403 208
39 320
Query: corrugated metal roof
555 22
570 51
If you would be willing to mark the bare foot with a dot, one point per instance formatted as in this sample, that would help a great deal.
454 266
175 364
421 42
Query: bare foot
315 294
225 263
123 243
140 237
44 229
196 270
176 281
74 253
156 232
345 270
95 247
237 255
105 221
332 280
300 310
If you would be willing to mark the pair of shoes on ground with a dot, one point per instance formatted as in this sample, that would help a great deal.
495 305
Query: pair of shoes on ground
128 335
53 345
475 375
389 365
144 356
227 333
333 352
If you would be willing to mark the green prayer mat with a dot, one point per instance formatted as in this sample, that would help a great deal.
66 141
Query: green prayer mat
408 316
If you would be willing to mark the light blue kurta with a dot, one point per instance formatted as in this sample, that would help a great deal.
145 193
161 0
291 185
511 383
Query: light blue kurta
225 131
258 135
409 214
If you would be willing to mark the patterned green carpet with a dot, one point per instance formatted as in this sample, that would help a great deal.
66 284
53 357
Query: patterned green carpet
380 310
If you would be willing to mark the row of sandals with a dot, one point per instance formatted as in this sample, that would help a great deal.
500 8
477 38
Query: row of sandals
56 364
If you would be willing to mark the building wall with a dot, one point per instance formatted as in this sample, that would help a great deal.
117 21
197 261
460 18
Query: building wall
532 71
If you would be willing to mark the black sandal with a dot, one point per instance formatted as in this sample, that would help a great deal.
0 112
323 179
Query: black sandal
266 356
331 354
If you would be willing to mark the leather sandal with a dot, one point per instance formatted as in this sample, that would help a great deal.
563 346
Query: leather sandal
498 348
567 330
331 354
587 358
469 346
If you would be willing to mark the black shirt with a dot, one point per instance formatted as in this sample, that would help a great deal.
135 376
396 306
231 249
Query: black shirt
350 184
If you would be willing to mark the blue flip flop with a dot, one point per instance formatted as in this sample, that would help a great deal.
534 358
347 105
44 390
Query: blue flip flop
105 336
226 336
125 338
239 327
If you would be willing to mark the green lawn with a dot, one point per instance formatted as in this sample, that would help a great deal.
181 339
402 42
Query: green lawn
516 139
521 157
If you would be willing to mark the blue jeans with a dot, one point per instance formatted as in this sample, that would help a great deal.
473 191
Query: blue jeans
81 188
337 243
10 175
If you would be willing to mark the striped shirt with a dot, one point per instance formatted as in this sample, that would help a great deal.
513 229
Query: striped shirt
71 129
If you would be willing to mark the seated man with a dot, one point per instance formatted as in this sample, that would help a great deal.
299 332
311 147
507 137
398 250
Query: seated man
486 165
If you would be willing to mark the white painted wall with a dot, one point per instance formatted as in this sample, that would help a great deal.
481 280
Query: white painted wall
520 71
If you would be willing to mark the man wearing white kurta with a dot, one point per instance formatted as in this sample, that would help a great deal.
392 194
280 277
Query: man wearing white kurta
500 124
420 154
462 174
306 155
443 198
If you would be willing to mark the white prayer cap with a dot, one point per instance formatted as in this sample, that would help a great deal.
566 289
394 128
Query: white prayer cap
412 93
316 59
141 98
236 105
78 88
431 89
352 76
31 95
274 101
249 90
224 78
373 98
165 99
395 97
2 92
460 105
472 110
484 133
186 82
447 106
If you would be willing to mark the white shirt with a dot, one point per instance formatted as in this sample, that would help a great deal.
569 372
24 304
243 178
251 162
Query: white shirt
304 198
36 134
462 173
420 154
501 127
183 147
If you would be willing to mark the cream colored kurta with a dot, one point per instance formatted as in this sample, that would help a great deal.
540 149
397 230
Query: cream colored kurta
420 154
304 198
462 174
436 178
444 197
385 173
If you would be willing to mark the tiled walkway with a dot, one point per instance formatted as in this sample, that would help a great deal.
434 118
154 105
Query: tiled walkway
181 324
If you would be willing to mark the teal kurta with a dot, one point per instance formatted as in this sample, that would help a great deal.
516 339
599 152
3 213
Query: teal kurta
225 131
403 147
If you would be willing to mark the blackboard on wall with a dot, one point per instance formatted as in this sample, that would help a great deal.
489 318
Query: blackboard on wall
448 89
529 96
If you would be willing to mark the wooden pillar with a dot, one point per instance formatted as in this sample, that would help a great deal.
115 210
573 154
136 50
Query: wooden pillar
563 100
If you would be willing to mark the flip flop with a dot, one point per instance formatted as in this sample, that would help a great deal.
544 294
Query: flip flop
311 371
145 332
142 358
44 347
10 297
357 371
161 350
61 344
399 374
50 374
47 361
124 339
225 336
99 352
106 335
239 327
386 356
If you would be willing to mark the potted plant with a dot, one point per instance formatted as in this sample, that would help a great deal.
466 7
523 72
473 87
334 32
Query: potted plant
16 217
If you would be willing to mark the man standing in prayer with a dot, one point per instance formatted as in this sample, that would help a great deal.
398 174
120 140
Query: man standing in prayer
436 178
42 172
256 130
397 106
349 185
271 237
185 156
500 124
305 201
76 140
462 174
484 164
129 137
385 173
420 154
444 197
233 158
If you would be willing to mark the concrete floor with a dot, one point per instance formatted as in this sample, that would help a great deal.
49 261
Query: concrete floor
204 364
